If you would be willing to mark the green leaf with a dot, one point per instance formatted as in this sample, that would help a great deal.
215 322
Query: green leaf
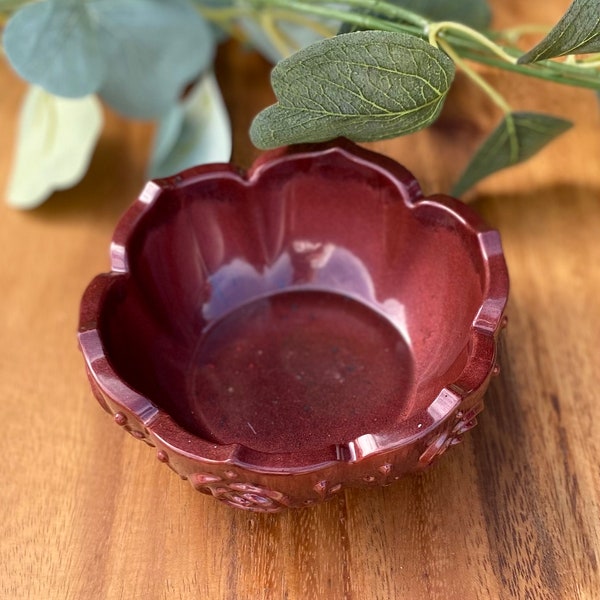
154 49
192 133
474 13
55 45
55 142
578 32
138 54
518 137
365 86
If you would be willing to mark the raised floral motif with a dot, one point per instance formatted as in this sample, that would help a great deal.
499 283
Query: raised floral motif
246 496
463 421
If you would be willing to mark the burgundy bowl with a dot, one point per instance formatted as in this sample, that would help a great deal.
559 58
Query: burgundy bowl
281 334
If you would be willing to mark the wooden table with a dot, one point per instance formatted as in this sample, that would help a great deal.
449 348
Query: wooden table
87 512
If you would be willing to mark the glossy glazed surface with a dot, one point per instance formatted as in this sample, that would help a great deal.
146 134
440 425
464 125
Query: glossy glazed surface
314 313
298 371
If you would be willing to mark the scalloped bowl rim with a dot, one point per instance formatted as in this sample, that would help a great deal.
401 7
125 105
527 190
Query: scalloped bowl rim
484 329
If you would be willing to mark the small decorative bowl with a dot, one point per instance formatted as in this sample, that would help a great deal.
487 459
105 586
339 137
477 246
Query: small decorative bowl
314 324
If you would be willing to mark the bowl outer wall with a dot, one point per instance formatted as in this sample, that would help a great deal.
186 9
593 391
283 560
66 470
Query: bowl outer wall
363 461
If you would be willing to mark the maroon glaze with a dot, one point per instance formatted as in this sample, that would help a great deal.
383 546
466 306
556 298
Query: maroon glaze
321 361
316 317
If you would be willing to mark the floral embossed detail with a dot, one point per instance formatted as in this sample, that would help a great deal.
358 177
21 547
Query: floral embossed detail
382 476
385 474
246 496
122 421
385 469
463 421
201 481
324 490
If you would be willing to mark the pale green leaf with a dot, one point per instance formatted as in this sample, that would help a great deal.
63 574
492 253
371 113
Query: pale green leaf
55 141
55 45
578 32
365 86
154 49
137 54
518 137
194 132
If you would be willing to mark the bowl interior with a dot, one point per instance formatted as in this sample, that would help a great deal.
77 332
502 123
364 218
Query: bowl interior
296 310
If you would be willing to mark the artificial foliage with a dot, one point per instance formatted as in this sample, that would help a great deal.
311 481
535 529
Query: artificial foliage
363 69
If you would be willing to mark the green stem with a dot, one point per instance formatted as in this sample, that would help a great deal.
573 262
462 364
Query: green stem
591 62
437 29
514 34
385 9
548 70
226 18
475 77
281 44
367 21
468 43
483 85
302 21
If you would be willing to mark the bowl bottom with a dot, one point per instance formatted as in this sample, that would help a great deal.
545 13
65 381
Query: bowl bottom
298 371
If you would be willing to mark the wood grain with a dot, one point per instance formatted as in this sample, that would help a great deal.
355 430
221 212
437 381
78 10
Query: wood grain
513 513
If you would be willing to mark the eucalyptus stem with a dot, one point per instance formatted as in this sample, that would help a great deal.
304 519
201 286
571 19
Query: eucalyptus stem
268 23
468 43
225 14
227 17
548 70
436 30
387 9
475 77
318 27
282 42
592 62
495 96
514 34
366 21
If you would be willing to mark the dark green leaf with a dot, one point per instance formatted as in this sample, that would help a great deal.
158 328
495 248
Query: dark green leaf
365 86
55 45
518 137
578 32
